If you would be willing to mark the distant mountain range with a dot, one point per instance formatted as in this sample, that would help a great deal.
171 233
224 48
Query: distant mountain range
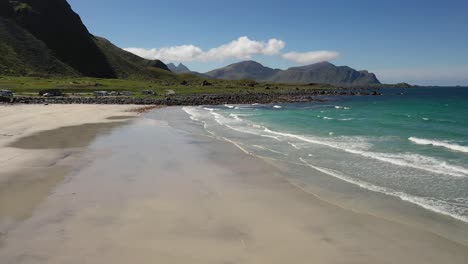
323 72
48 38
179 68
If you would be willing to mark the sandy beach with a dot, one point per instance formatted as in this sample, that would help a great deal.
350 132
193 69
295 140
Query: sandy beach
39 145
80 184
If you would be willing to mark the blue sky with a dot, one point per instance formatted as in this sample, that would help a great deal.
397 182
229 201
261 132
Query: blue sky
423 42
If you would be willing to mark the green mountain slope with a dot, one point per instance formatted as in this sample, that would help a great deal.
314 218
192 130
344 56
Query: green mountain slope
48 38
127 65
23 54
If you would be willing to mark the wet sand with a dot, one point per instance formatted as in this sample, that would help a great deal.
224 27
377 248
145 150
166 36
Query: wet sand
161 190
39 145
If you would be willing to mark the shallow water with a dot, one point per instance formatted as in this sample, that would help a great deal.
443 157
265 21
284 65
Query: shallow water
409 143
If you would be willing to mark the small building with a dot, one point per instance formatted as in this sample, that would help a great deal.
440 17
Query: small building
148 92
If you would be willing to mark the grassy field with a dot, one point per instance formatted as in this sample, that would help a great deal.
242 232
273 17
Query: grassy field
85 86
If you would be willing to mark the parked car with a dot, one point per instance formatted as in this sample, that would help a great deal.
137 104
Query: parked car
100 93
51 93
6 93
125 93
148 92
6 96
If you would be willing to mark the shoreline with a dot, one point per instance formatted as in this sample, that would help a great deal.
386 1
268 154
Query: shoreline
348 194
162 188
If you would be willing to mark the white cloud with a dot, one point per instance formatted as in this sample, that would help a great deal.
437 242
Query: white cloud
311 56
176 53
242 48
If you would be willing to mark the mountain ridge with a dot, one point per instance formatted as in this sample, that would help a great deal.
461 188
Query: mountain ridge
322 72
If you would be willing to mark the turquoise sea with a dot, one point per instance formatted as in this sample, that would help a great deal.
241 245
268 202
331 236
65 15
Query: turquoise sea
408 143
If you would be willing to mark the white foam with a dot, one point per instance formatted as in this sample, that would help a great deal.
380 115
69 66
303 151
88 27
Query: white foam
269 149
342 107
277 107
431 204
406 160
328 118
439 143
294 145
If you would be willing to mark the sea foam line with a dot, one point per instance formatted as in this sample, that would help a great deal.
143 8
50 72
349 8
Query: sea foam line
437 143
429 204
406 160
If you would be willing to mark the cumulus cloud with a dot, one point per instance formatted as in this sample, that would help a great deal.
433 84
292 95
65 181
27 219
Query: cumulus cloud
176 53
241 48
311 56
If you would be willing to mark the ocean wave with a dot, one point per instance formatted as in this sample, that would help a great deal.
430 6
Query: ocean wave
354 145
342 107
414 161
435 205
277 107
438 143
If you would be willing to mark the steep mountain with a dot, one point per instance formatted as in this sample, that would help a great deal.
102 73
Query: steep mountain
23 54
39 37
129 65
243 70
179 68
323 72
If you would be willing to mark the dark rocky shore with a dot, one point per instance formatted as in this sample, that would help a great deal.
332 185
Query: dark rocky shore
208 99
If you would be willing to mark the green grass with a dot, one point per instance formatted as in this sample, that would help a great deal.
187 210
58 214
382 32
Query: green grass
86 86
